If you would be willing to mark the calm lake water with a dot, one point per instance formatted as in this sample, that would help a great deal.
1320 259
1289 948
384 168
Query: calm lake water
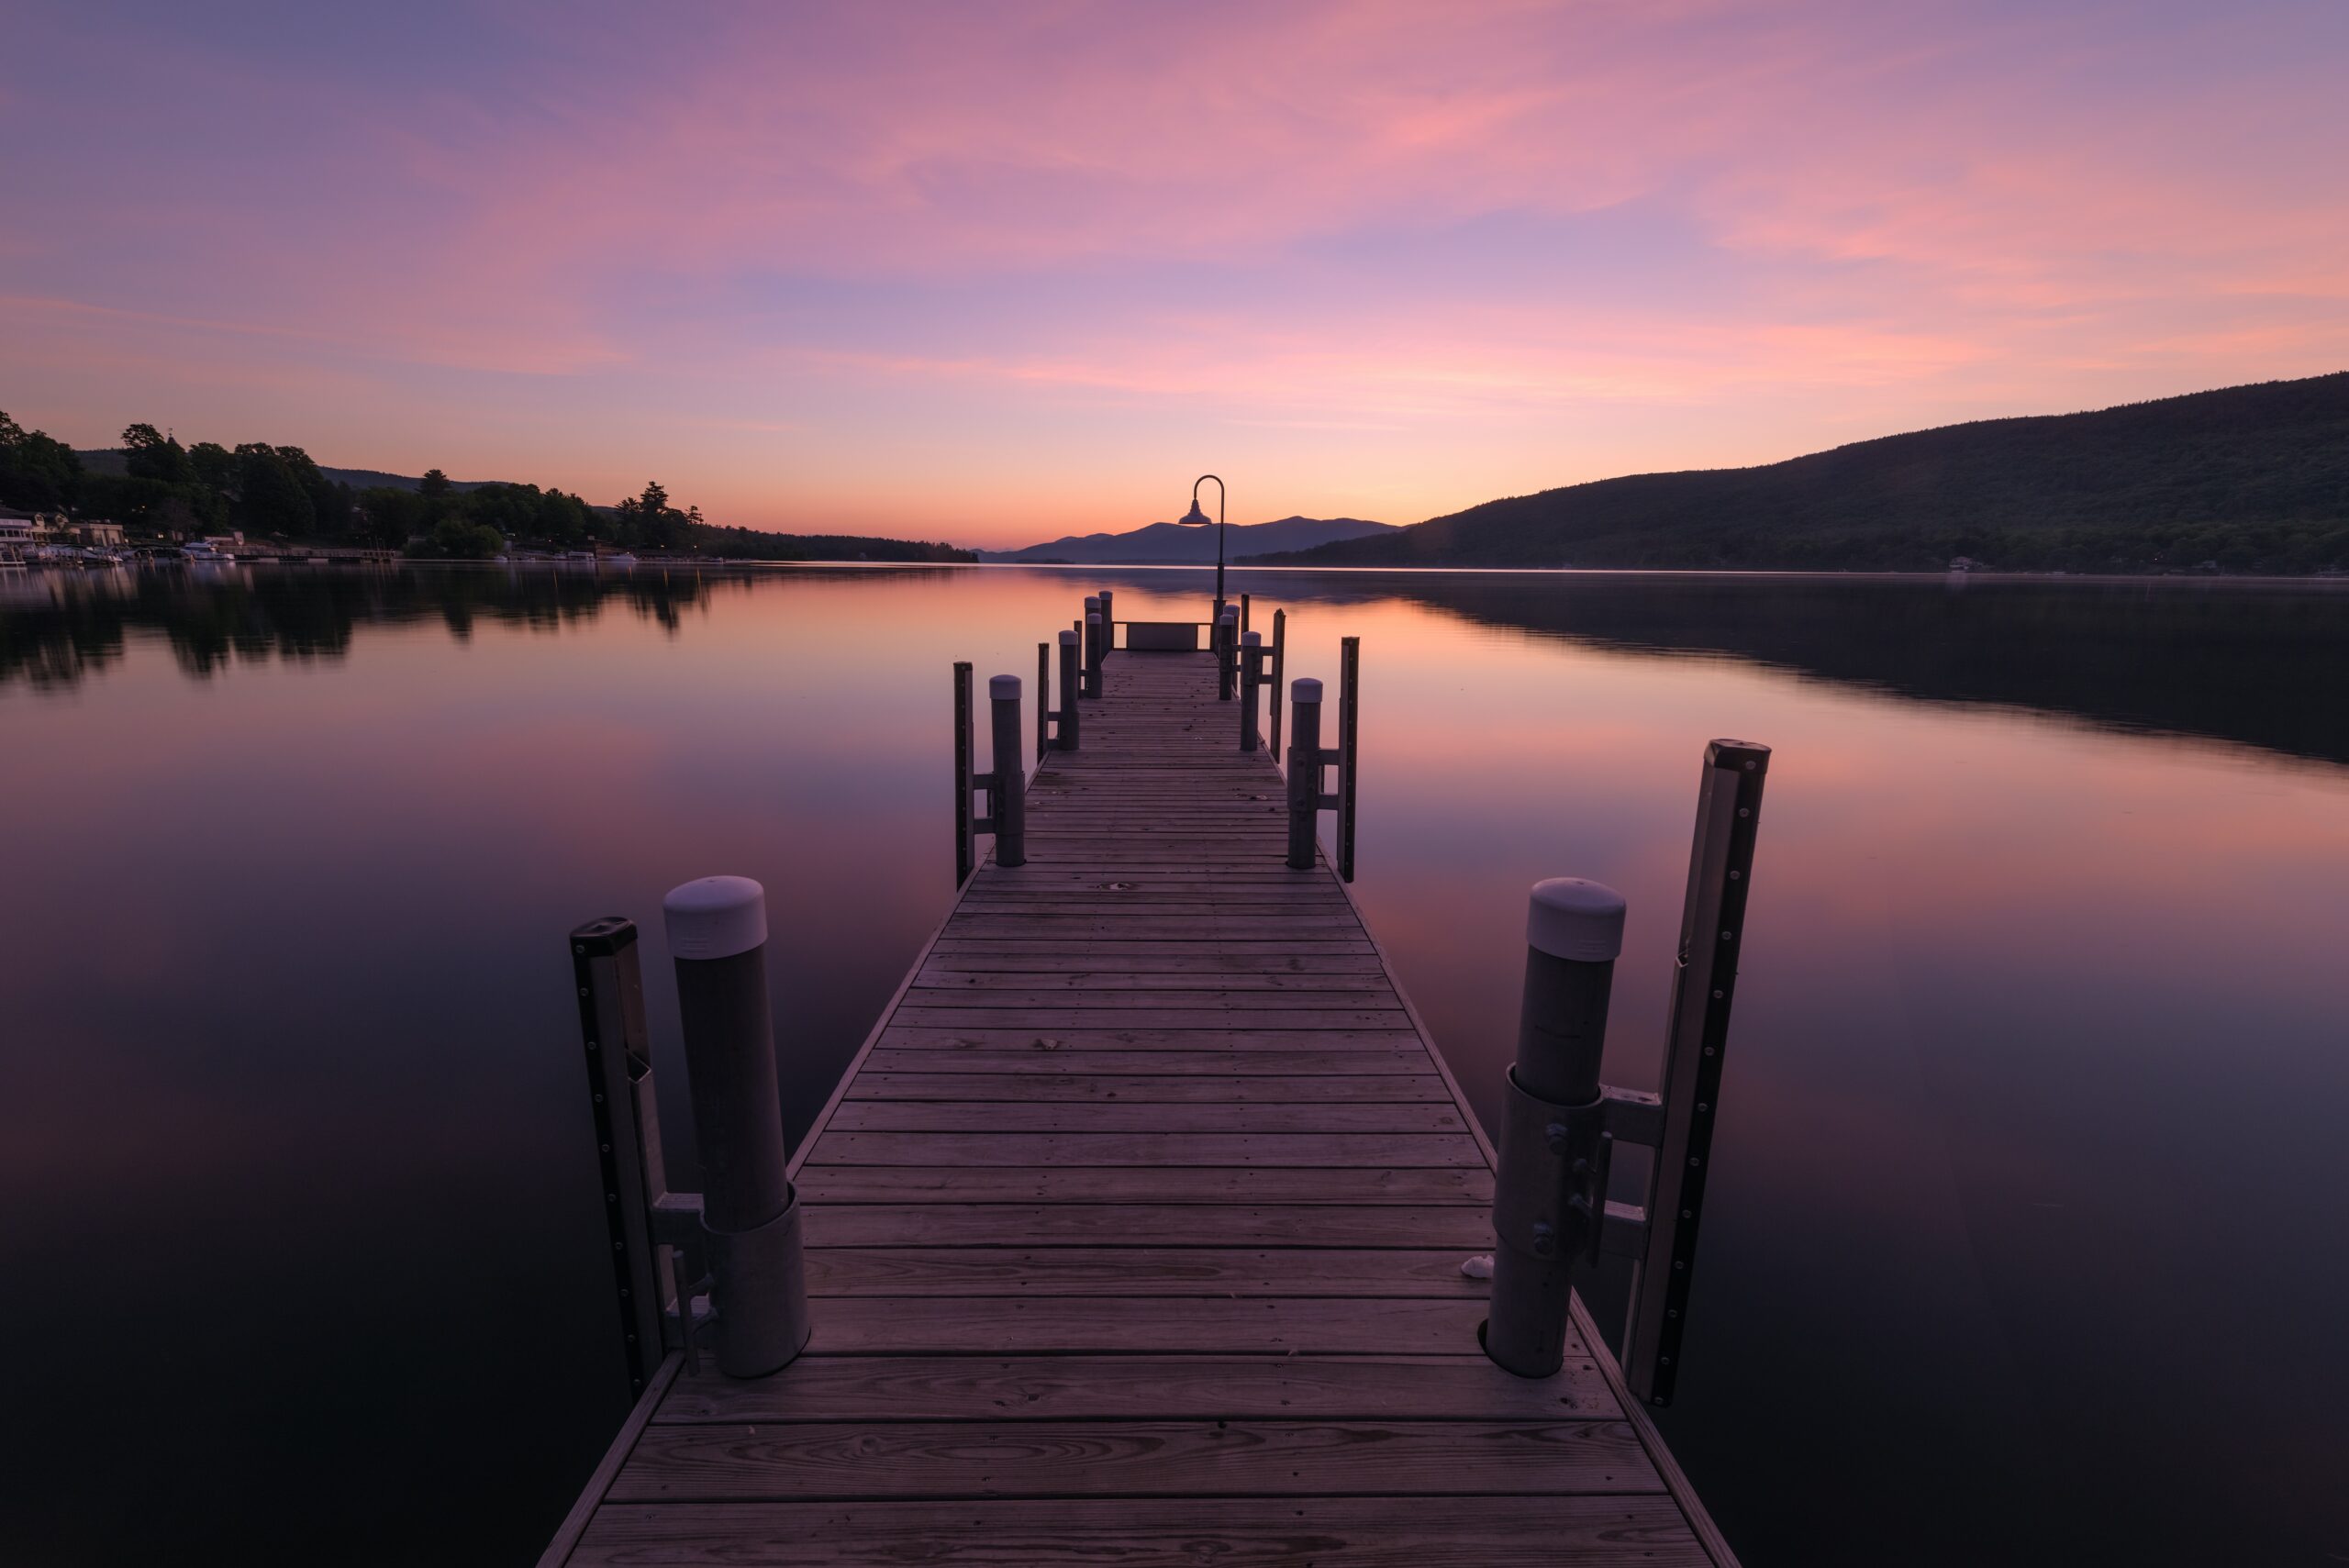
2026 1240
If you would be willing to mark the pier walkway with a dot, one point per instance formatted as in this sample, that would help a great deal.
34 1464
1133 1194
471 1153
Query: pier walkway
1135 1236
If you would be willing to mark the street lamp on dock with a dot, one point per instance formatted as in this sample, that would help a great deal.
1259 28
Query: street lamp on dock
1199 519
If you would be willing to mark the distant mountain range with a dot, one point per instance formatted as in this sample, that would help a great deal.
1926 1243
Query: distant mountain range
1170 544
2245 479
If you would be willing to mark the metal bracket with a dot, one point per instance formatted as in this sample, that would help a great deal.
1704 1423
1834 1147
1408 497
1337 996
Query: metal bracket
676 1219
1555 1161
1624 1233
1633 1116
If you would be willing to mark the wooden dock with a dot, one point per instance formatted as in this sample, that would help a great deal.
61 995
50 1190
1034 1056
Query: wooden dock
1135 1236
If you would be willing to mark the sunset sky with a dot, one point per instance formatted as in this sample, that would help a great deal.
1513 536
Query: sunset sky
992 273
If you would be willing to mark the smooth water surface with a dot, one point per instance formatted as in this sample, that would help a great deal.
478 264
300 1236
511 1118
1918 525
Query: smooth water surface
2025 1236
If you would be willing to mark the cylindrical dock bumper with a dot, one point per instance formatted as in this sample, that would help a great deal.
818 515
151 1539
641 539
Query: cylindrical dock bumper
1066 737
1549 1196
717 936
1304 769
1009 797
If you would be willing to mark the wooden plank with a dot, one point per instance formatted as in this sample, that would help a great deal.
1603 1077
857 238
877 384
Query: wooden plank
1135 965
964 1151
1062 982
781 1460
1136 951
1156 1060
1272 1325
1247 1117
1263 1004
1223 927
1641 1531
1461 1228
1045 1388
1200 1185
1305 1088
1193 1017
939 1268
1224 1041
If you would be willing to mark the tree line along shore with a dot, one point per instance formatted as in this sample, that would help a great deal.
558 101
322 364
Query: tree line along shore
156 488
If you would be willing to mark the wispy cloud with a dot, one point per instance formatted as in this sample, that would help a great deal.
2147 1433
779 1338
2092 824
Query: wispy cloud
1446 252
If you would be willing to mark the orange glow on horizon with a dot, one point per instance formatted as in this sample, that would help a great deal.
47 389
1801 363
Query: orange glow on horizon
1021 273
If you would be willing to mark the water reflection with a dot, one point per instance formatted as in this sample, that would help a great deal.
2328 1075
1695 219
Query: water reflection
2027 1151
2180 656
56 628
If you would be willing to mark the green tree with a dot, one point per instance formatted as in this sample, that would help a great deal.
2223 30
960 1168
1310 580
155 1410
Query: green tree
434 485
389 517
38 472
214 466
271 498
456 538
150 454
649 522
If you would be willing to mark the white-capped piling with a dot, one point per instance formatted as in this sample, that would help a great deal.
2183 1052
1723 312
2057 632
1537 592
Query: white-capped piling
1550 1194
718 938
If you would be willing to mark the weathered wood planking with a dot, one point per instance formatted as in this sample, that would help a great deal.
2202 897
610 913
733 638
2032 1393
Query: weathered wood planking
1297 1531
1135 1236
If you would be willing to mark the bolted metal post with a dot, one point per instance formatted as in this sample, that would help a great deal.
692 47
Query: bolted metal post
1093 655
1067 714
1007 791
1252 681
1280 662
966 844
610 985
1304 770
1349 734
717 940
1043 698
1550 1195
1712 930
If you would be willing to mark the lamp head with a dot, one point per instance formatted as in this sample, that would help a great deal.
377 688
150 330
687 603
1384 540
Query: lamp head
1197 518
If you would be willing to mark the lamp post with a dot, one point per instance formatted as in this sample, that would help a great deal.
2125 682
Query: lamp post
1199 519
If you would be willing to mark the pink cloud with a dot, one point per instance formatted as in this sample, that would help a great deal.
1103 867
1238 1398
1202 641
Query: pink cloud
1440 254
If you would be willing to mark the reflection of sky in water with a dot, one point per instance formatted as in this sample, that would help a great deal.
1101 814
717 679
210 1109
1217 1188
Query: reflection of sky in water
2026 1162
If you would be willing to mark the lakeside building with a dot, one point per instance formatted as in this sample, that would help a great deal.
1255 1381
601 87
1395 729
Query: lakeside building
38 527
25 528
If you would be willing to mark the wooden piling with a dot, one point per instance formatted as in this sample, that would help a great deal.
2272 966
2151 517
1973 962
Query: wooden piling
1043 699
1305 765
1065 735
1007 794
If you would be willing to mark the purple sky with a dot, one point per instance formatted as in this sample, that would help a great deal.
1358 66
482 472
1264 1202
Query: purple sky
995 272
